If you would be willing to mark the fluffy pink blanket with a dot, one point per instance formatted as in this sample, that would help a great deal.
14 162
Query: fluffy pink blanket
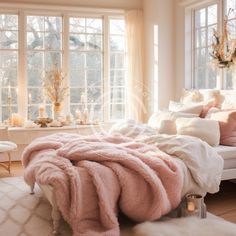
94 177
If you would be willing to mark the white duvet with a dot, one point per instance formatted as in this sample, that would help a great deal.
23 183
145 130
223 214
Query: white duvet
201 165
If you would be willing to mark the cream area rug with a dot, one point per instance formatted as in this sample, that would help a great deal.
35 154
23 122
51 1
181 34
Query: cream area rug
22 214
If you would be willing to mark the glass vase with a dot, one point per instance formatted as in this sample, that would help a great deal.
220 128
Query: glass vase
57 107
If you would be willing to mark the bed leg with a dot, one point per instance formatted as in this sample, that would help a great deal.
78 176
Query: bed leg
32 189
56 216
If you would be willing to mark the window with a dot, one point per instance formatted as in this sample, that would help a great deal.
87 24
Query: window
44 50
205 23
8 64
86 64
117 68
88 47
206 18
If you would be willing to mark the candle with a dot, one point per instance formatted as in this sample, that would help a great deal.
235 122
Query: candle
78 114
82 99
41 111
16 120
85 116
9 91
30 98
191 206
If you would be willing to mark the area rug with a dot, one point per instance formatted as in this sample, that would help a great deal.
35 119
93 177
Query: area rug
22 214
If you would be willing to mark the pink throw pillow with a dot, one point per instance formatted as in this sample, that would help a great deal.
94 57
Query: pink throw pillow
227 122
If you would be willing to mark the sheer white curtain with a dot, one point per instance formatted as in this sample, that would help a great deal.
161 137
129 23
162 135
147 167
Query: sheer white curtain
135 82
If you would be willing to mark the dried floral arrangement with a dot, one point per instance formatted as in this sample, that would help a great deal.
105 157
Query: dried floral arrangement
223 47
54 85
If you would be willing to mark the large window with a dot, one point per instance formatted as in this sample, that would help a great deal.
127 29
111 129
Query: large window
8 64
89 49
205 23
86 64
206 18
44 50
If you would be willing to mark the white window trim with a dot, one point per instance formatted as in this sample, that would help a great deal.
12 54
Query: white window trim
190 38
22 10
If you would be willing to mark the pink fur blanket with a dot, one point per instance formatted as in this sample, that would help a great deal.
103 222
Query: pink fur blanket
94 177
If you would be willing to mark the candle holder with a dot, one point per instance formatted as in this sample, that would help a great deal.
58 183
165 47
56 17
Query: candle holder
194 206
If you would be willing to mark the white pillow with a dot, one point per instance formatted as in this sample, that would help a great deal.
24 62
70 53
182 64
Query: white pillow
205 129
167 127
164 121
186 108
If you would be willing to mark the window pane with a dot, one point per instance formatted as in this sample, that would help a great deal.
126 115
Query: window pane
205 23
200 18
230 4
8 22
117 61
77 25
117 43
85 62
93 25
77 78
117 111
117 26
8 39
212 14
77 41
117 77
44 50
94 78
117 68
8 64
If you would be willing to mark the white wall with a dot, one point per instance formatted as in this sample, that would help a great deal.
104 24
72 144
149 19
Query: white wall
180 48
124 4
162 14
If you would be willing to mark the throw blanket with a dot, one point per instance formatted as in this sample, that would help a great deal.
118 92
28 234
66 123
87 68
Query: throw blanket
95 176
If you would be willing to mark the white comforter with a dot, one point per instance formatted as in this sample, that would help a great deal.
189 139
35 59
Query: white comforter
201 164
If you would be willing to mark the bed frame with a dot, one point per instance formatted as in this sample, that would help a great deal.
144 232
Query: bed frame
55 213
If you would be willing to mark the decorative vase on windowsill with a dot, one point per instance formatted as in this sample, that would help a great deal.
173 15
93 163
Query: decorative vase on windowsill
55 89
57 107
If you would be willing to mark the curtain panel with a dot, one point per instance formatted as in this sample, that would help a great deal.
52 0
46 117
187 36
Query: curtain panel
135 81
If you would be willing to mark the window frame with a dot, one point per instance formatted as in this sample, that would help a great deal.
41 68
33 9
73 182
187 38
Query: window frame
22 10
190 40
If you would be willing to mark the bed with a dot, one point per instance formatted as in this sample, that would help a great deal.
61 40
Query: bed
145 176
228 153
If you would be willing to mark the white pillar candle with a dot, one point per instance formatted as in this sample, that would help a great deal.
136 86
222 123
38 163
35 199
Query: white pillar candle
41 111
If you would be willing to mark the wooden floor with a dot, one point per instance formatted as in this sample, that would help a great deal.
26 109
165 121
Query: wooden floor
222 204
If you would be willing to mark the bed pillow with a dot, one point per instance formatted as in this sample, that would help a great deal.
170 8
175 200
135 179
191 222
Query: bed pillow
205 129
191 96
164 121
227 122
193 108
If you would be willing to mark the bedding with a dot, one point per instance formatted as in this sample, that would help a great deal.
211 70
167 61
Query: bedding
197 127
95 176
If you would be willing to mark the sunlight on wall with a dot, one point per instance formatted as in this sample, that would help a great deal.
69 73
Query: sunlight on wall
155 78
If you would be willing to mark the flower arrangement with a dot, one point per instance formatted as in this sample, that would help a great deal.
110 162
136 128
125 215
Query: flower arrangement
223 47
55 88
